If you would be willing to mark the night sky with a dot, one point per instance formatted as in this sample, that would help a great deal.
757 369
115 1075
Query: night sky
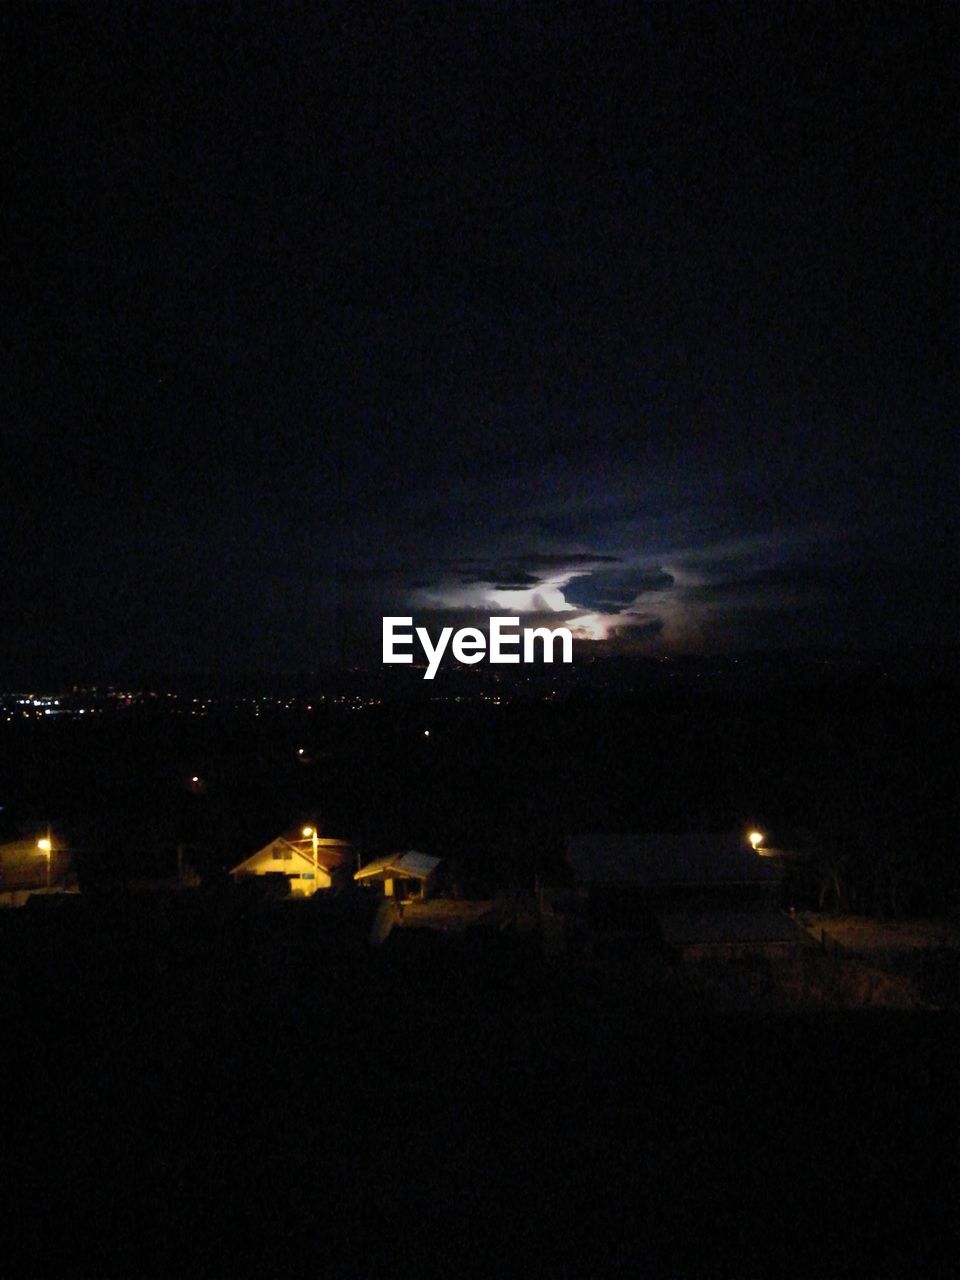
636 317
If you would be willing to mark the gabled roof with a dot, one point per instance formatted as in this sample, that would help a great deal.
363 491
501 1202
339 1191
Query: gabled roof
646 859
379 866
295 838
418 865
404 866
330 853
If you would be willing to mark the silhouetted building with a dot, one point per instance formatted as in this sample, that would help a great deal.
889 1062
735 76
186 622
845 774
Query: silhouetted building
663 868
680 889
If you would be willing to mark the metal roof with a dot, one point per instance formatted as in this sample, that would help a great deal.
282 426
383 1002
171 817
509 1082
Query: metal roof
420 865
410 865
645 859
380 866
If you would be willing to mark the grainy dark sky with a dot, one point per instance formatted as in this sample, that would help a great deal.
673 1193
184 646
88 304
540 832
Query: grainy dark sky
641 315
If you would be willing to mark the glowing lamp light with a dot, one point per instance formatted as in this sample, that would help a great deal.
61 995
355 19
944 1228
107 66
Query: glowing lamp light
755 838
313 834
45 845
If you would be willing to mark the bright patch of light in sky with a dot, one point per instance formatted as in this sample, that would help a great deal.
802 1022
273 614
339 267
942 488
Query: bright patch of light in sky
589 627
542 605
538 599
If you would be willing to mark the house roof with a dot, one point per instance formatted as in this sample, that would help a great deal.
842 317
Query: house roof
379 866
330 853
647 859
297 840
410 865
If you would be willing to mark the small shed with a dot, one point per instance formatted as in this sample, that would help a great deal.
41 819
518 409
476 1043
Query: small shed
403 875
309 863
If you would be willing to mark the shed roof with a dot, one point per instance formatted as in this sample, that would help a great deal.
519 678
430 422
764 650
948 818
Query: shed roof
666 858
410 865
379 866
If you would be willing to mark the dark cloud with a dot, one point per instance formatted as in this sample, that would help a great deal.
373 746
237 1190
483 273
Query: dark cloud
527 570
643 628
504 579
612 590
692 348
518 582
434 619
759 579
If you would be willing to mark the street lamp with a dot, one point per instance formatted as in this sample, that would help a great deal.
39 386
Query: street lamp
312 832
756 839
45 845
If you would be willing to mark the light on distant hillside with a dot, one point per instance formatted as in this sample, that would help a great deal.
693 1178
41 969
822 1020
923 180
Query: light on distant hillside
756 838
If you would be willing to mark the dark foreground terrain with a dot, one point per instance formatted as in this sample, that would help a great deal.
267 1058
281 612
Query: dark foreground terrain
215 1089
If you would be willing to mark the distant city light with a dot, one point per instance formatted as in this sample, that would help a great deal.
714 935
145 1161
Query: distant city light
44 845
755 838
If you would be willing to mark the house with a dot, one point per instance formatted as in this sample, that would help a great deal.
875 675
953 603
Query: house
403 875
308 861
667 868
36 864
689 890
